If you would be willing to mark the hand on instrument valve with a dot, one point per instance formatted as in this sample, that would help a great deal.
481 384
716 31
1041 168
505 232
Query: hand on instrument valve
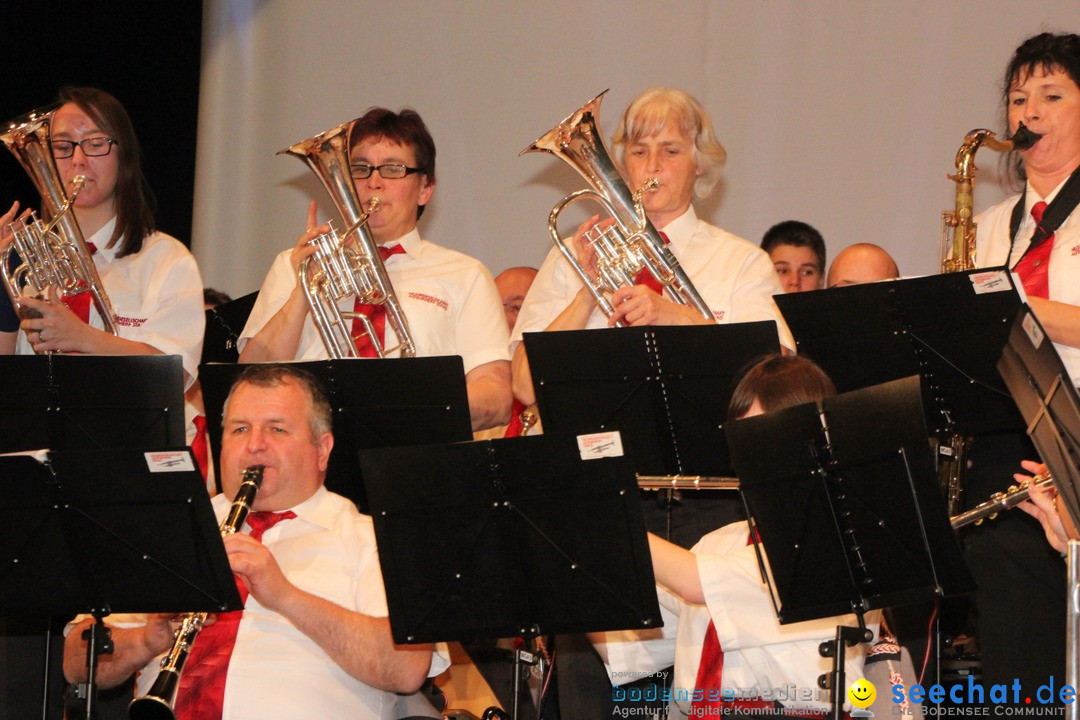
57 329
304 249
1043 506
280 338
583 245
256 566
6 219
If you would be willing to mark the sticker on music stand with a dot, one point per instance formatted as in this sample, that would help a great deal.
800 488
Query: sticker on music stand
1034 332
598 445
170 461
989 282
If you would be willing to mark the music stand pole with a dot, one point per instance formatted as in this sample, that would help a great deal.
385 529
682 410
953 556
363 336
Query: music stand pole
1072 625
99 642
846 636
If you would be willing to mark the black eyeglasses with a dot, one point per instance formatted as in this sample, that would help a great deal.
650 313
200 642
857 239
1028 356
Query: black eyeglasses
91 147
389 171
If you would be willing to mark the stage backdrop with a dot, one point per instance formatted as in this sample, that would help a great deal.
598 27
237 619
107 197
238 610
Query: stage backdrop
844 114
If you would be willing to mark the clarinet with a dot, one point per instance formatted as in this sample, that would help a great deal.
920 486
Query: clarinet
158 702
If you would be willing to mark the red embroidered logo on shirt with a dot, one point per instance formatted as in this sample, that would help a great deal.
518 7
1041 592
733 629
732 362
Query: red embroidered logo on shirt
1076 250
130 321
429 299
718 314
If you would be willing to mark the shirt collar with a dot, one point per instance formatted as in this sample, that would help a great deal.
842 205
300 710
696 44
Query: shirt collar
680 230
317 509
101 239
410 243
1031 197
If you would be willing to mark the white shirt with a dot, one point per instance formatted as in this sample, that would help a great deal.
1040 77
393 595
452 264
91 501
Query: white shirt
734 277
157 295
449 299
992 249
275 670
762 658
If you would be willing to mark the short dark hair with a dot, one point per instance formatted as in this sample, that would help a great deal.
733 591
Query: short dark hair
404 128
214 297
135 202
778 382
797 233
1047 52
266 375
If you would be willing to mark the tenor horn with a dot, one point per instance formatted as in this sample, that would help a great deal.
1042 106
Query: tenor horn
53 252
631 243
160 700
349 264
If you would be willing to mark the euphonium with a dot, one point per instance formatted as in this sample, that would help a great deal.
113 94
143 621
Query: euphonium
54 253
158 702
340 268
632 242
958 226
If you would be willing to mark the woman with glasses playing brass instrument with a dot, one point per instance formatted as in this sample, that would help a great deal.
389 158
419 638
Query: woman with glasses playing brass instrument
449 298
151 279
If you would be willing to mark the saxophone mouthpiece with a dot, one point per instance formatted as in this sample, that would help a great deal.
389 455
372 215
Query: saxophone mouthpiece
1024 139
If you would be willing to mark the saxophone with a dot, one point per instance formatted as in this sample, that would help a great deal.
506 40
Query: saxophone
958 226
157 703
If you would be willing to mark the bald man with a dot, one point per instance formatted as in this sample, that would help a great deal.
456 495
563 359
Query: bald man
513 285
861 263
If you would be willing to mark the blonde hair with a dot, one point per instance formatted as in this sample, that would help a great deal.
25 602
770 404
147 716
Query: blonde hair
651 111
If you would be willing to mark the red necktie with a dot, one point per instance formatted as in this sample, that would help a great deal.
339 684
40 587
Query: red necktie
710 675
80 302
516 424
646 278
202 686
1034 267
198 445
375 312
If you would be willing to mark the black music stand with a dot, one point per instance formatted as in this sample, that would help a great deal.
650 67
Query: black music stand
845 502
665 389
1046 397
83 402
70 545
376 403
949 329
513 537
79 402
1043 391
224 324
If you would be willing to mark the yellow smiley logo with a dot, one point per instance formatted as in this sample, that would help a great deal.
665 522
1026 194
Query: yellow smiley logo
861 693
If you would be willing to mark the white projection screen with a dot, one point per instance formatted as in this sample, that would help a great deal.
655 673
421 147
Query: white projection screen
843 114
